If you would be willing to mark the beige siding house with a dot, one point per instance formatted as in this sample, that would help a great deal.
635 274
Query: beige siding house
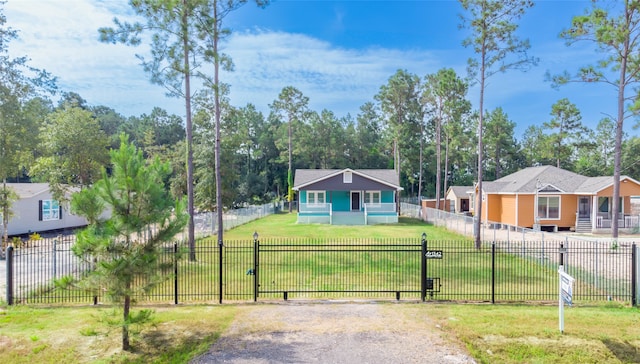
37 211
459 199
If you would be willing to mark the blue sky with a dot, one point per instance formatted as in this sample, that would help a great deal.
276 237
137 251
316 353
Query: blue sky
338 53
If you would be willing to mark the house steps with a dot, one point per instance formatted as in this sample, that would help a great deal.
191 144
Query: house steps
349 218
583 226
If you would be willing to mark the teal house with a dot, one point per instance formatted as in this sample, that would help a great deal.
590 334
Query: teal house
347 196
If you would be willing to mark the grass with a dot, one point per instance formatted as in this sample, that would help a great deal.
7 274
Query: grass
284 226
491 333
530 334
76 335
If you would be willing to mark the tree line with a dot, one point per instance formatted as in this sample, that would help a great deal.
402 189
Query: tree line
68 143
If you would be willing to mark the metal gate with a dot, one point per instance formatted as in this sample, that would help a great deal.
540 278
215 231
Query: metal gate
345 268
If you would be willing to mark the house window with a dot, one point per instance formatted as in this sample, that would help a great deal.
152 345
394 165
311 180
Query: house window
316 197
347 177
49 210
549 207
604 204
372 197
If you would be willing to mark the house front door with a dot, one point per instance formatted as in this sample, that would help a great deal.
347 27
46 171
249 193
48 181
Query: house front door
584 207
464 205
355 201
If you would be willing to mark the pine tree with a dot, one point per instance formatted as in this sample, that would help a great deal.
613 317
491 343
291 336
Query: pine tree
142 220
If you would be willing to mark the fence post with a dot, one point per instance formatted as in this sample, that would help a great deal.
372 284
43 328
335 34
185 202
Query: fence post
493 272
220 256
634 277
423 273
256 247
54 265
9 258
95 264
175 273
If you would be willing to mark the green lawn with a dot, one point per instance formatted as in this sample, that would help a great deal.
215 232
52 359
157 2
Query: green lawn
284 225
530 333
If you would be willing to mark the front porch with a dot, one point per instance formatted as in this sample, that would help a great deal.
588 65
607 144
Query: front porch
371 214
601 220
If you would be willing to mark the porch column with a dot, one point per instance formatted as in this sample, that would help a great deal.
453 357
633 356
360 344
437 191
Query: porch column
362 199
486 205
517 209
594 212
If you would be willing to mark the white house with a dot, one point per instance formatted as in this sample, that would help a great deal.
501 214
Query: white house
37 211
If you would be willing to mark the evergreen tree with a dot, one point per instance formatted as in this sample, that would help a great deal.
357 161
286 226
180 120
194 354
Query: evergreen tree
566 131
142 220
500 143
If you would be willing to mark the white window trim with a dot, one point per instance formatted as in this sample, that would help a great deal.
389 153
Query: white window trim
347 177
315 199
547 213
53 213
369 195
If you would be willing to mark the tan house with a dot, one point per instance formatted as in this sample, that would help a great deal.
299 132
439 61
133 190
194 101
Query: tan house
554 199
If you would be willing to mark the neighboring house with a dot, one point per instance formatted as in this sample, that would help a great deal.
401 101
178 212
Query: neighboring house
551 198
459 199
37 211
347 196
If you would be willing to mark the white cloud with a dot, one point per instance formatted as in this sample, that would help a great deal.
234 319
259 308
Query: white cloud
61 36
266 62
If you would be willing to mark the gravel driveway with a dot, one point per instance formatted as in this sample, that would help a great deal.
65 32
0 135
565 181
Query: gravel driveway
334 333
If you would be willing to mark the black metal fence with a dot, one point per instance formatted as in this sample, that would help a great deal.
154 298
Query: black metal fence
414 269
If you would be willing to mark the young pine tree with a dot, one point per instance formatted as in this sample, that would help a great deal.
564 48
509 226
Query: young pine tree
141 218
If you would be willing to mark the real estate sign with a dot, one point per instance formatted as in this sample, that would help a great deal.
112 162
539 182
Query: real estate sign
566 287
565 294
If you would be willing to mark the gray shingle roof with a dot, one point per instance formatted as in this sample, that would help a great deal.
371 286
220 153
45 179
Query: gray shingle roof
461 191
26 190
306 176
529 179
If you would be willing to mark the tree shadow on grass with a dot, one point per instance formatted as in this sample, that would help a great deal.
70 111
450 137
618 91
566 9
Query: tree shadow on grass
171 346
624 351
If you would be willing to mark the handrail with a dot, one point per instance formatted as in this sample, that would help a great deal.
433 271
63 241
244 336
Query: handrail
330 214
365 214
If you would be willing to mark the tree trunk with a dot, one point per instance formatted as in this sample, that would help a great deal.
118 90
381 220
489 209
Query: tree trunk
478 207
619 124
290 170
420 173
446 166
216 93
125 324
189 131
438 157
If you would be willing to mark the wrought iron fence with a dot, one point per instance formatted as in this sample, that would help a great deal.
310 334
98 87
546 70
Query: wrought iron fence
415 269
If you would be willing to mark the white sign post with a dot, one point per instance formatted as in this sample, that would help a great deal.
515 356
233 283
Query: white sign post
565 294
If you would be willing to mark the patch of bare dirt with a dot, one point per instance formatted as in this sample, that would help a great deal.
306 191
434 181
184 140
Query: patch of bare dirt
334 333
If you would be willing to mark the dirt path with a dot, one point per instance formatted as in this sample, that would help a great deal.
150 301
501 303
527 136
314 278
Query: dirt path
334 333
